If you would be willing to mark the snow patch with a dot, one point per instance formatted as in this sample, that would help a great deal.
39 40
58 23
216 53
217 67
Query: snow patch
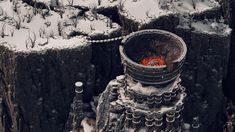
211 27
92 25
87 127
25 31
143 10
194 6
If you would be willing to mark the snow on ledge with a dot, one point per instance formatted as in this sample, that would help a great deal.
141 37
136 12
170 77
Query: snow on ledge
212 27
143 11
194 6
35 33
53 44
92 25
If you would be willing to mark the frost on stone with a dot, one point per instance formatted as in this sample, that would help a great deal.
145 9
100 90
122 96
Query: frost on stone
212 27
91 24
150 9
146 11
207 26
35 27
194 6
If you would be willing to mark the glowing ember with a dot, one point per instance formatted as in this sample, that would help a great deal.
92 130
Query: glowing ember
153 61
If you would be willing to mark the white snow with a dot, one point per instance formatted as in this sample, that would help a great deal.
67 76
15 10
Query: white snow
59 43
84 3
146 11
108 3
86 126
211 27
149 90
124 100
194 6
143 10
92 3
44 31
92 26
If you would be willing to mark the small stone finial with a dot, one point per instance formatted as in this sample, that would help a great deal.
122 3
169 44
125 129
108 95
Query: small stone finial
196 124
78 87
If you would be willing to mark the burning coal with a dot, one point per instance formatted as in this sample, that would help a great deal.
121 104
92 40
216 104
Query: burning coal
153 61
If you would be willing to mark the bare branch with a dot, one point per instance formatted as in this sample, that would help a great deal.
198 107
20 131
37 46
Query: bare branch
94 11
45 12
148 14
42 32
12 31
29 17
47 23
60 27
75 21
2 33
61 13
92 27
121 5
70 2
15 6
17 21
31 41
3 14
23 18
109 23
35 8
194 4
51 34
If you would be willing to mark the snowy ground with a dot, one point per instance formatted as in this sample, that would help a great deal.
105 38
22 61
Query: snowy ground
194 6
92 25
54 28
24 28
143 10
207 26
211 27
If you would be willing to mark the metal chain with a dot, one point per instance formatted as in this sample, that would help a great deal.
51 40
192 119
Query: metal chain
106 40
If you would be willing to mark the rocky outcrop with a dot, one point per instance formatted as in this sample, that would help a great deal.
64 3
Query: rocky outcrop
39 87
204 70
229 82
107 61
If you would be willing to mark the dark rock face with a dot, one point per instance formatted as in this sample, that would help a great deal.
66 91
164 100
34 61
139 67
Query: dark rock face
164 22
106 58
111 12
229 82
204 70
38 88
103 107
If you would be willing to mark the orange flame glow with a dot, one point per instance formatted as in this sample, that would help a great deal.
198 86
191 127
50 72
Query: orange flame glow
153 61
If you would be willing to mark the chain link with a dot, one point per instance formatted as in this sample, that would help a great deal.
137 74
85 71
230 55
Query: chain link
106 40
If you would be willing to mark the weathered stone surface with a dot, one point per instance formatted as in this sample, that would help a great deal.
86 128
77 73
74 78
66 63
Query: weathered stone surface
111 12
164 22
102 118
229 82
39 87
204 70
106 58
